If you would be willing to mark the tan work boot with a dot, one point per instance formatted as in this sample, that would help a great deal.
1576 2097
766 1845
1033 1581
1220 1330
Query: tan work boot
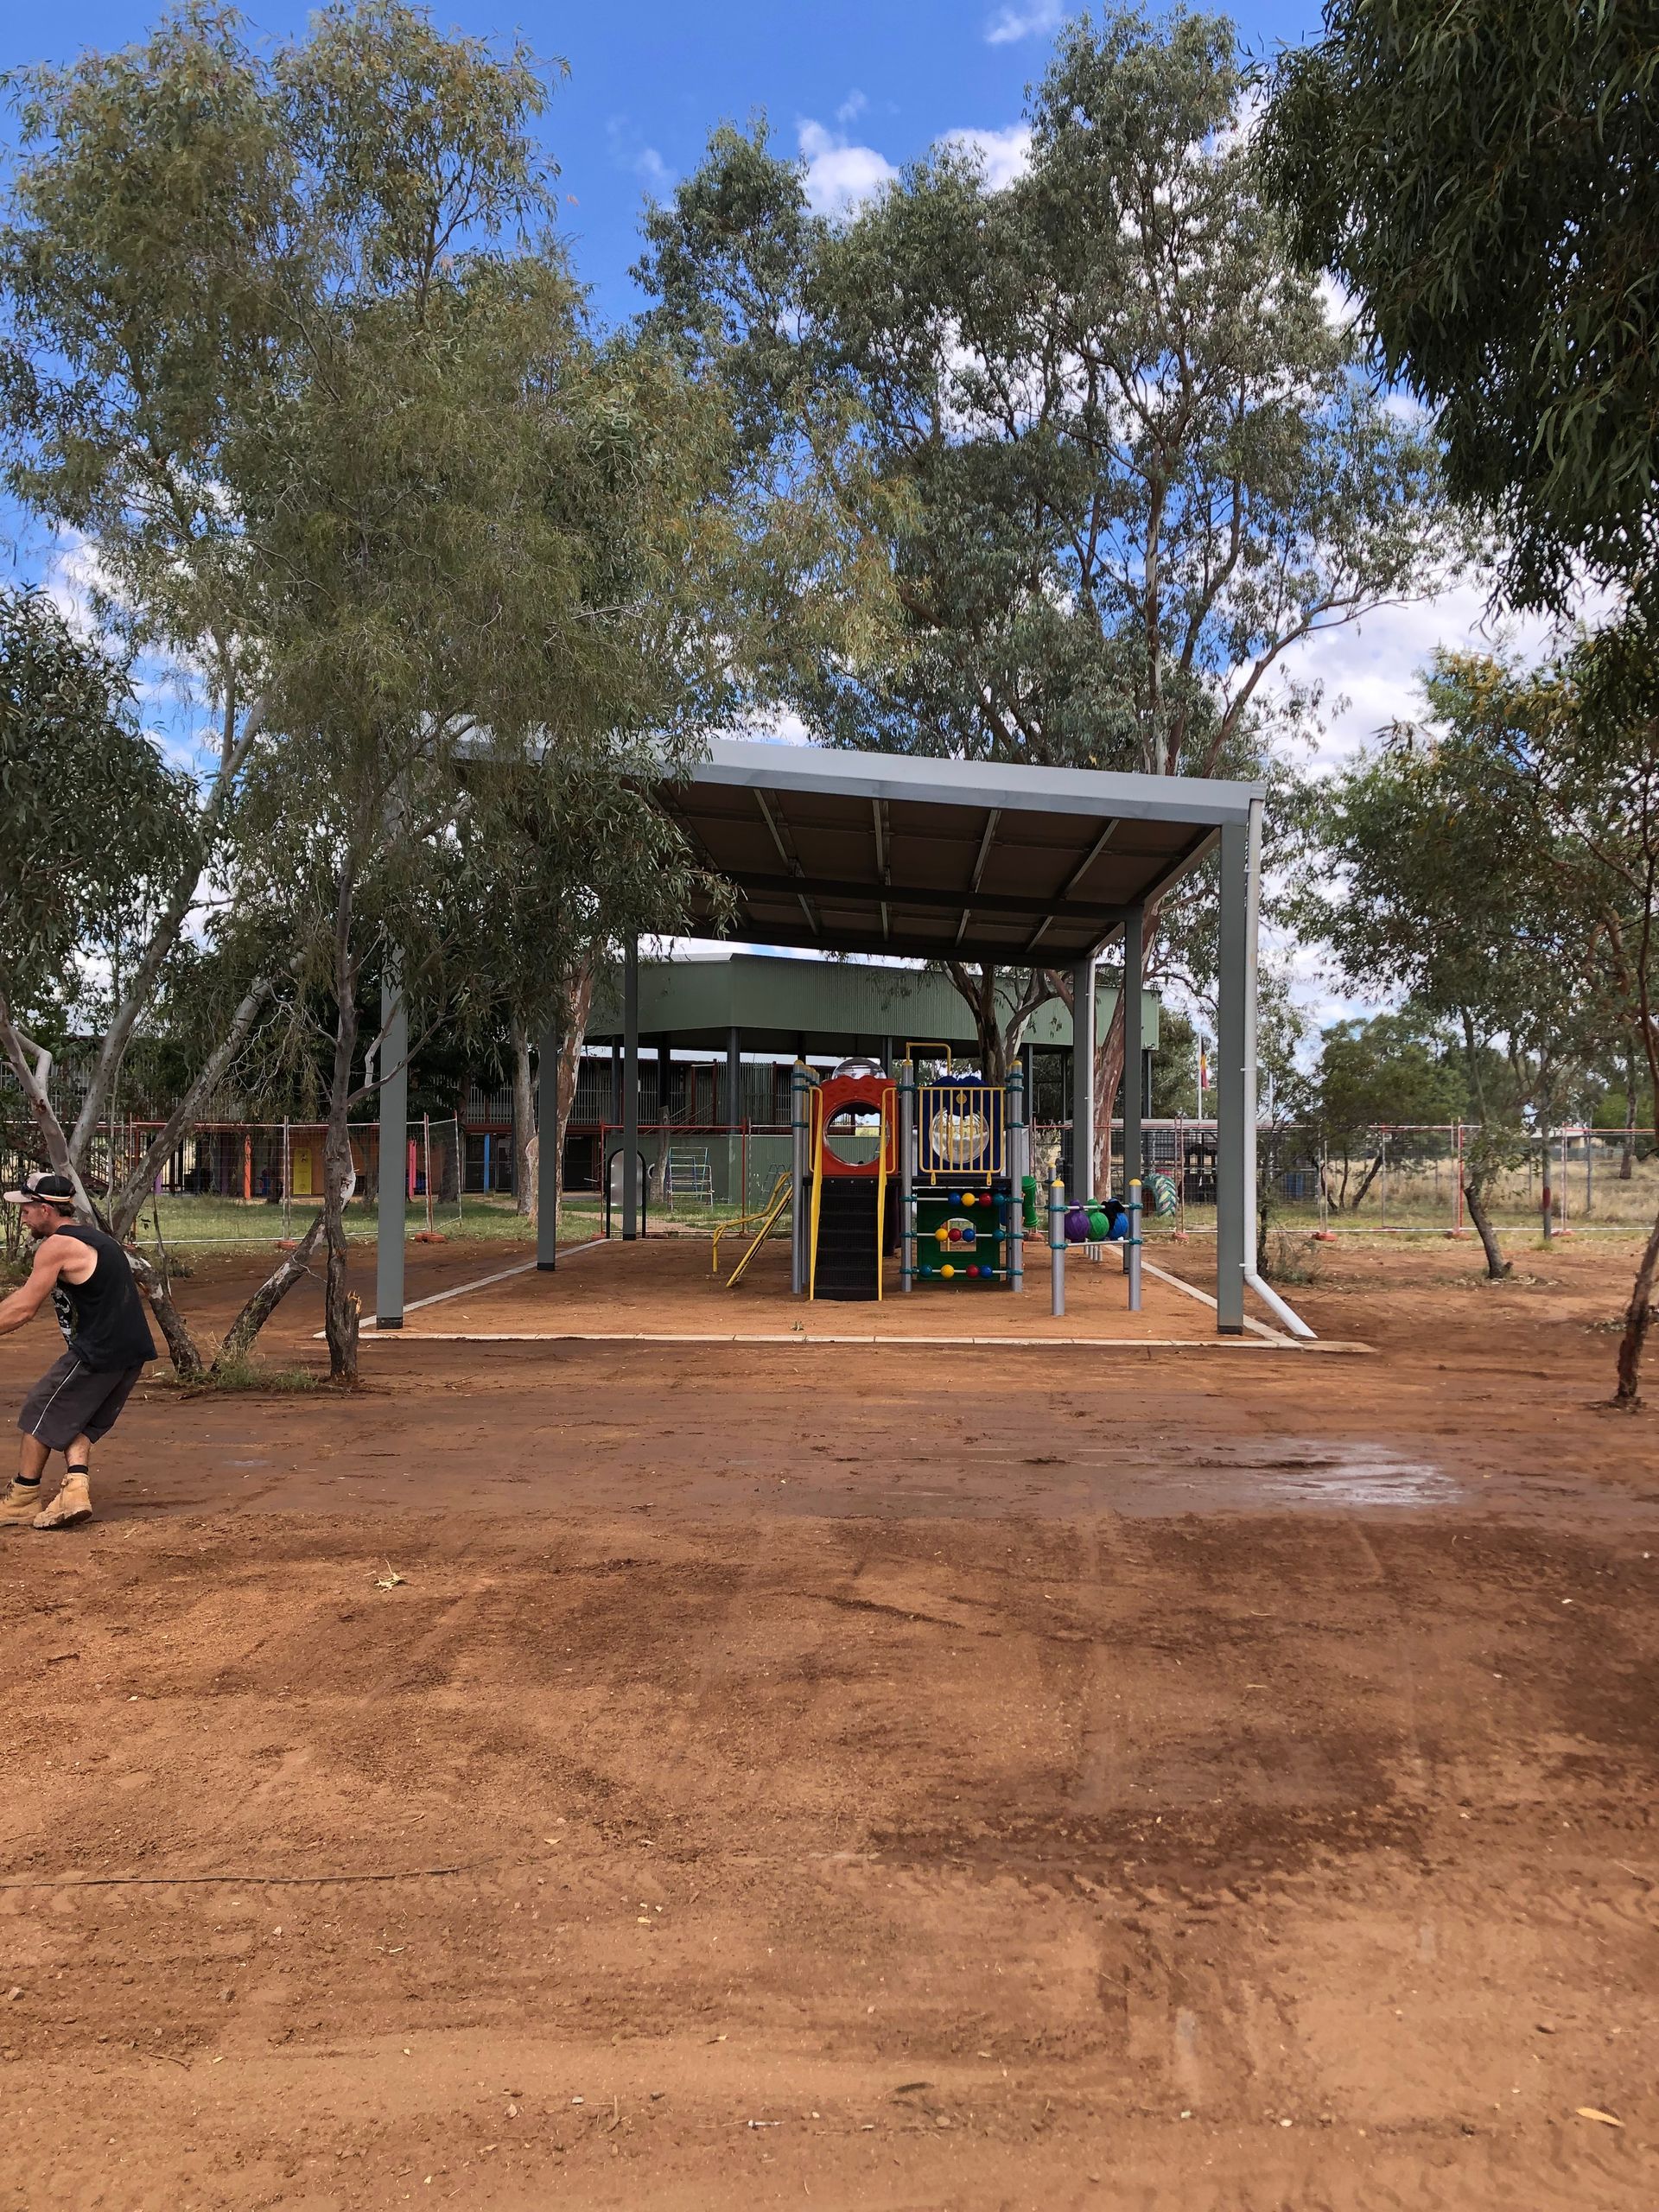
71 1505
19 1504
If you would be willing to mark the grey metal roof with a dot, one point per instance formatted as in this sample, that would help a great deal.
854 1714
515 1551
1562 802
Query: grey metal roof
861 852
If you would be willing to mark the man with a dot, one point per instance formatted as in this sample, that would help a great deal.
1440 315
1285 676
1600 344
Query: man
87 1277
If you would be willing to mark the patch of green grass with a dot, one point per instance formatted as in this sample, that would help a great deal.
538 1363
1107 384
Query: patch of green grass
237 1376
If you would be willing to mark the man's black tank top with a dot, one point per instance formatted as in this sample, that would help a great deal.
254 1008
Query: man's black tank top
103 1319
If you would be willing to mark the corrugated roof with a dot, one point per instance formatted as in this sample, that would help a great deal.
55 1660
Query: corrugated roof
931 859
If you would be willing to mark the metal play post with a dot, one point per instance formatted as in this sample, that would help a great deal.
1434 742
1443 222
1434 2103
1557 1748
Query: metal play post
1057 1244
906 1175
1132 1249
798 1227
1083 1080
1016 1171
1133 1147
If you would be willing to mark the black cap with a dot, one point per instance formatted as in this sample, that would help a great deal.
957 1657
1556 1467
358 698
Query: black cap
44 1189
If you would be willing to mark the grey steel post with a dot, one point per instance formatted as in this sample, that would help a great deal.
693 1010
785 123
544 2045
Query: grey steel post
907 1175
1057 1244
1083 1082
798 1223
1016 1164
547 1150
1235 1086
1132 1249
735 1117
393 1167
631 1091
1133 1164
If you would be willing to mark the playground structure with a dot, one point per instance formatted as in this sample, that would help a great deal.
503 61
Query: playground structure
922 861
933 1169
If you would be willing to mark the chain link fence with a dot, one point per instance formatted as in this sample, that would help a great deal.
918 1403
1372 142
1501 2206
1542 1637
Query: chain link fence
260 1183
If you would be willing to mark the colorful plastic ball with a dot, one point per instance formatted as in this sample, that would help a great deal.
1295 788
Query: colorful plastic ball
969 1200
973 1271
947 1269
943 1233
1077 1226
955 1236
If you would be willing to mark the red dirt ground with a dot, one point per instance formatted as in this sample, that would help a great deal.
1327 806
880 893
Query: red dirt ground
890 1776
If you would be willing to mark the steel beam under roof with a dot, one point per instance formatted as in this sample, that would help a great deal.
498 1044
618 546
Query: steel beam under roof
933 860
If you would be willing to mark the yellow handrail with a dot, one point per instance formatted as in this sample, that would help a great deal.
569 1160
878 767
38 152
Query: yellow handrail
780 1198
742 1220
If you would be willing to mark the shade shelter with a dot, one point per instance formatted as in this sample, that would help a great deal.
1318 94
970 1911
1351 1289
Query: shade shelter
938 860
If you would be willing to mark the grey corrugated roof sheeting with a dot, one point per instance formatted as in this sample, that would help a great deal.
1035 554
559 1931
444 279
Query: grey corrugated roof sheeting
859 852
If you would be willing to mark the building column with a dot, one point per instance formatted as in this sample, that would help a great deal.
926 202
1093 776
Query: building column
392 1167
1235 1081
1082 1083
1133 1073
547 1150
631 1091
616 1083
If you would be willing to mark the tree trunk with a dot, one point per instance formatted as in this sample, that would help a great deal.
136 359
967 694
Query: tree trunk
526 1143
239 1336
1639 1320
341 1304
1001 1033
181 1346
1109 1077
578 1005
1474 1194
1366 1181
1627 1158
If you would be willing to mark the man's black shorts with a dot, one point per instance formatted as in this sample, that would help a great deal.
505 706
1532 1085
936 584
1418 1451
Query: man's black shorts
72 1400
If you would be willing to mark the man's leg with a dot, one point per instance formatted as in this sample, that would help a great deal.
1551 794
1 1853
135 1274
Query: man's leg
74 1503
23 1501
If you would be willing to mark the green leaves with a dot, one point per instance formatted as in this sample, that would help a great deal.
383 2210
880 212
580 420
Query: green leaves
95 825
1482 178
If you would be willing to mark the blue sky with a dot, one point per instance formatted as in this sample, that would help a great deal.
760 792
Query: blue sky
867 81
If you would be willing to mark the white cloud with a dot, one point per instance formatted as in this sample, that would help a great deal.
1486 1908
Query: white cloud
628 152
1369 669
1002 155
658 178
839 176
1031 20
851 108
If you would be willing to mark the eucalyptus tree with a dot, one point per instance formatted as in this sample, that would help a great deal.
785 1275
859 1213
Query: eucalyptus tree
1481 178
1420 887
1502 864
98 830
291 339
146 210
1126 461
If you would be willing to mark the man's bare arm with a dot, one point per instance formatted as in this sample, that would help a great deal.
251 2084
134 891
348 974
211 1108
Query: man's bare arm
25 1303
